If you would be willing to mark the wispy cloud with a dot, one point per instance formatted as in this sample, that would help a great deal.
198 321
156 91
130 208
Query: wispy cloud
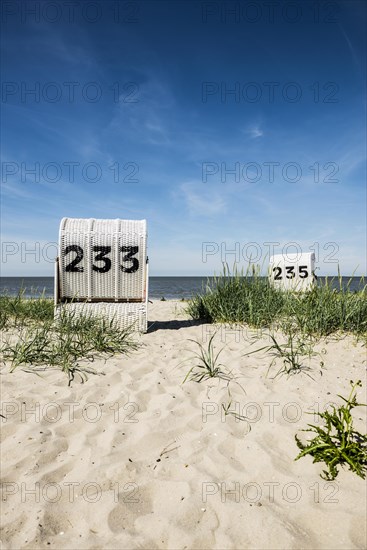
146 116
254 131
201 201
356 60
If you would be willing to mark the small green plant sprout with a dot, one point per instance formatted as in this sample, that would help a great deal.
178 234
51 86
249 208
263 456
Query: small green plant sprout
228 411
337 443
207 366
72 369
292 353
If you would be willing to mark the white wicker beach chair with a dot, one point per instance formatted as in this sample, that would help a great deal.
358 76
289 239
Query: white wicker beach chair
294 272
102 269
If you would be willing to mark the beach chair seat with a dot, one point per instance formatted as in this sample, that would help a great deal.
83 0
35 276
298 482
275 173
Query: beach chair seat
102 269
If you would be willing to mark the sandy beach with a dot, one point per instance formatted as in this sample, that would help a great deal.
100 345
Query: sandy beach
137 459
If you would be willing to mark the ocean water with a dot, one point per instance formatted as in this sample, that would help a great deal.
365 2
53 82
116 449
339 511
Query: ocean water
167 287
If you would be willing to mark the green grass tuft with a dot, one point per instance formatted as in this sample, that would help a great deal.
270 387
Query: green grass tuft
292 353
252 300
16 311
61 343
206 364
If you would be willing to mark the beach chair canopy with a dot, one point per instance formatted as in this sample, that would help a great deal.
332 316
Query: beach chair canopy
102 268
292 271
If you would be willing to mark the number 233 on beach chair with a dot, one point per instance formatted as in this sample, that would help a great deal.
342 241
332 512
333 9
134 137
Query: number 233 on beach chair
102 269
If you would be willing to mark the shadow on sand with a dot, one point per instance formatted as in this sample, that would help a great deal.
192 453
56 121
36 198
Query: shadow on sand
172 325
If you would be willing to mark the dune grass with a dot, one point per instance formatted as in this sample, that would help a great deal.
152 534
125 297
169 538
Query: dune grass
206 364
16 311
291 354
67 342
250 299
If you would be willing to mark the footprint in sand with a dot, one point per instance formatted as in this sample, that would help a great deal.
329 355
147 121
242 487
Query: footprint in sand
59 446
132 503
271 445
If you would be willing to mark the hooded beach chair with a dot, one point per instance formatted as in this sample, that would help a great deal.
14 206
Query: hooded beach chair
293 272
102 269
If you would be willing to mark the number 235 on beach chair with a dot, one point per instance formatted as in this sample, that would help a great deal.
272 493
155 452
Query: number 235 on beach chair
102 269
293 272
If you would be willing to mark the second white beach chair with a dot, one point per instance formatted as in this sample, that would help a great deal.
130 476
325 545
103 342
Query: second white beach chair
293 272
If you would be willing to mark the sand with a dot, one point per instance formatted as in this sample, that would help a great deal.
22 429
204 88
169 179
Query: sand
137 459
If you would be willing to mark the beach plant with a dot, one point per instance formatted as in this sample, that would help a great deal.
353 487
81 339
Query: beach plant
93 333
4 318
32 347
73 369
229 411
237 297
337 443
66 342
206 364
17 311
292 353
330 307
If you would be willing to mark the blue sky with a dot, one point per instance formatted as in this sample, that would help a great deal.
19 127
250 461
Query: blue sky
218 122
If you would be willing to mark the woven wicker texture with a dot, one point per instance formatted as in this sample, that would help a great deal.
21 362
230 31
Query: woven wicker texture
124 315
102 259
104 262
292 271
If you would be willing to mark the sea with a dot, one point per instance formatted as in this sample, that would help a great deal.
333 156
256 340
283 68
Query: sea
170 288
